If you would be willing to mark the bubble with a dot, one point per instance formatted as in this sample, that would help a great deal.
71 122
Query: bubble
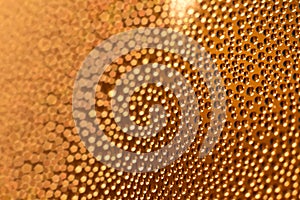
43 46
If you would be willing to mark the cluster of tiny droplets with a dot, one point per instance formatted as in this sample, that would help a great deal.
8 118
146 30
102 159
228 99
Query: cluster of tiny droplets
255 45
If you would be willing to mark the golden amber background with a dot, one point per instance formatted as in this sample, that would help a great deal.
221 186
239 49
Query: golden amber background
255 45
